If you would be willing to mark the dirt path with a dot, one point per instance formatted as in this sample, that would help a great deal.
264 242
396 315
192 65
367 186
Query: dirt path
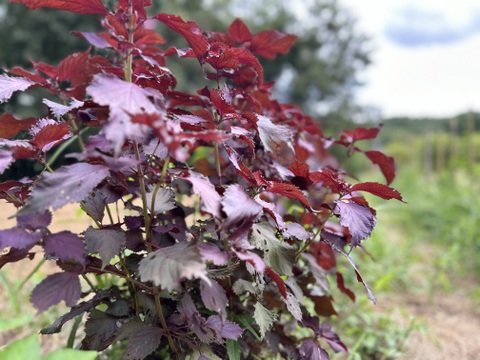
449 326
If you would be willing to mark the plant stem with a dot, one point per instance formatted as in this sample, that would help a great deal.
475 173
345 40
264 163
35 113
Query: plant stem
159 308
217 164
88 282
35 269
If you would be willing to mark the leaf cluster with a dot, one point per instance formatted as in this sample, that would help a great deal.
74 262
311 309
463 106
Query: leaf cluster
232 209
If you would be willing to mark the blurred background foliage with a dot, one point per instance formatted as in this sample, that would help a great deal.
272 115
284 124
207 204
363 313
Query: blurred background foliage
427 248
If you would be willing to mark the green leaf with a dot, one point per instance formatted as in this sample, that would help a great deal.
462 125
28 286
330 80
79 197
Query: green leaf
278 255
28 348
233 350
264 318
71 354
15 322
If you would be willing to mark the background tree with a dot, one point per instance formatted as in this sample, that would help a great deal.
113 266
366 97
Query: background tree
320 74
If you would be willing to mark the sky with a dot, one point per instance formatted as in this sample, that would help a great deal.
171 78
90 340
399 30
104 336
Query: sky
426 58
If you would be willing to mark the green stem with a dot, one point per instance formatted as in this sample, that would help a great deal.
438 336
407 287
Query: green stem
88 282
29 276
217 164
77 132
158 305
73 332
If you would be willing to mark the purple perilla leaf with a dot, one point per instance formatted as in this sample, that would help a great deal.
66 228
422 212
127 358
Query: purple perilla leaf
18 238
358 218
55 288
6 159
65 246
238 206
8 85
106 242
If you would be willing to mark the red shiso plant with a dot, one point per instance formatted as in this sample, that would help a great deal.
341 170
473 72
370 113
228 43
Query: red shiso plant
217 216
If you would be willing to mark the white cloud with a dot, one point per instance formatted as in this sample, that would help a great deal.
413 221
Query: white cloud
440 79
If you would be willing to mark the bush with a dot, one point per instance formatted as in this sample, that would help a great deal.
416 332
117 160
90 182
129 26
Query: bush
239 269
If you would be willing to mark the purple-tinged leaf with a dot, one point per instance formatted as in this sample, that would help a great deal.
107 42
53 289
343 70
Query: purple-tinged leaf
167 267
155 148
55 288
94 39
214 297
106 242
211 252
210 198
358 218
8 85
35 221
293 306
271 135
238 206
310 350
264 318
76 310
94 205
123 99
253 259
99 329
18 238
343 288
190 315
279 255
6 159
69 184
297 231
143 342
160 200
59 109
65 246
224 328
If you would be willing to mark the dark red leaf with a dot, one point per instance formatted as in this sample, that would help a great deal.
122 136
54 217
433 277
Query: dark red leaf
219 100
48 134
345 290
386 164
55 288
359 220
278 280
290 191
239 31
15 255
18 71
222 57
348 137
382 191
76 6
271 42
73 68
190 32
324 255
330 179
245 57
323 305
